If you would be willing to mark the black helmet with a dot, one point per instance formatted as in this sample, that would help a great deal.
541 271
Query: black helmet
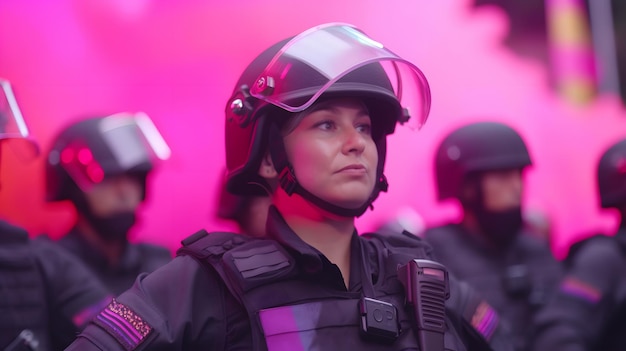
86 152
334 60
612 176
484 146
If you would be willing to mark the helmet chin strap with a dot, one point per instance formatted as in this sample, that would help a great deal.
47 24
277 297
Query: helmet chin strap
289 183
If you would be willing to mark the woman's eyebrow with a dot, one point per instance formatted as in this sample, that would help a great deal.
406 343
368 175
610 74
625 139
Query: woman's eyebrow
363 110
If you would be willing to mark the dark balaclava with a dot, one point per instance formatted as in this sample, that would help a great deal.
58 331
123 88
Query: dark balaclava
111 228
499 227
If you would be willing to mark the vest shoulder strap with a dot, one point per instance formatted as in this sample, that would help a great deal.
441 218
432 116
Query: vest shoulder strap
243 263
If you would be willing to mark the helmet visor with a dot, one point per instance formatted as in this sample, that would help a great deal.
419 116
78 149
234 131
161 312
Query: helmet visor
127 143
13 128
329 52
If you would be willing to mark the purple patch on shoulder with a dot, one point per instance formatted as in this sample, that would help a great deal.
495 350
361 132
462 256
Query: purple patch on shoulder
128 328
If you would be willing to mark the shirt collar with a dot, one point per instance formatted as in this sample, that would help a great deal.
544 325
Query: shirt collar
311 259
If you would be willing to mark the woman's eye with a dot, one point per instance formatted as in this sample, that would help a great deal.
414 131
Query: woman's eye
365 128
325 125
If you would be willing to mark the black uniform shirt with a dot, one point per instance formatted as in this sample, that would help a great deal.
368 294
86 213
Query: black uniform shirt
136 259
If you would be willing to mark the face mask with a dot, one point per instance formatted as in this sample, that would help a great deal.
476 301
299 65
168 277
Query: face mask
111 228
501 227
114 227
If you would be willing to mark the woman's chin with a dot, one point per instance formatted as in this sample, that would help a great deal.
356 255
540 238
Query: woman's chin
350 203
350 197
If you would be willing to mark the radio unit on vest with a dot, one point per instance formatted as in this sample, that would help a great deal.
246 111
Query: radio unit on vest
427 289
379 320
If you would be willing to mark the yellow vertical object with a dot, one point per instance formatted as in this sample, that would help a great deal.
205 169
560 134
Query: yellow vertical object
571 50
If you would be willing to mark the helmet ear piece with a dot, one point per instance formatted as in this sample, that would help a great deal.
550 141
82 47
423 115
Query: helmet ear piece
245 148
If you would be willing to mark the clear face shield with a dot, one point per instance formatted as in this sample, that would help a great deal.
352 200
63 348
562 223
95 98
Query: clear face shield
13 129
125 143
333 51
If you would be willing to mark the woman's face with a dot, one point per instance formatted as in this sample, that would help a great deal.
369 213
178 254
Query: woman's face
333 154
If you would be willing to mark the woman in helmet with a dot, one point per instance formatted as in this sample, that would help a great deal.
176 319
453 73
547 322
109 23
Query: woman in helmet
311 113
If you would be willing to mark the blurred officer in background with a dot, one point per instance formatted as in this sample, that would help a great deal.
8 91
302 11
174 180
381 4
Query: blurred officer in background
315 120
588 312
101 165
249 213
46 294
481 165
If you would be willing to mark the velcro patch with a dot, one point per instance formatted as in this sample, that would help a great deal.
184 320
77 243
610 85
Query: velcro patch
259 260
257 263
128 328
485 320
575 287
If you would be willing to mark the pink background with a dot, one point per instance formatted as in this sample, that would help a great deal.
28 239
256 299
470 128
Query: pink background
178 61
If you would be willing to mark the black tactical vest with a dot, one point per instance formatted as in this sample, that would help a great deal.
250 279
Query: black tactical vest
22 295
287 310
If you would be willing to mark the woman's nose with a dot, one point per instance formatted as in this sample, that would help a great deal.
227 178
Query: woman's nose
354 141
